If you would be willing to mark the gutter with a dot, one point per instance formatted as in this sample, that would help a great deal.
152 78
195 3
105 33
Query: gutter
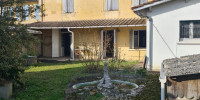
87 27
151 5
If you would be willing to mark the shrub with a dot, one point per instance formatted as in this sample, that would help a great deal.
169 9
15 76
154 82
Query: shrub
141 71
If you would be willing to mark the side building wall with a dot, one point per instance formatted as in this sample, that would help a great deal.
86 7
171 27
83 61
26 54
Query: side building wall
166 41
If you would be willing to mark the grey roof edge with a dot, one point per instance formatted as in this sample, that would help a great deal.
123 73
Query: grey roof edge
150 5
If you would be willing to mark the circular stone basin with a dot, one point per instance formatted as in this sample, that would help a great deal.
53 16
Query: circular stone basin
126 84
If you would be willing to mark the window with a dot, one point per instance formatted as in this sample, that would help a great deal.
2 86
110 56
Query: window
37 12
139 2
190 29
68 6
112 5
26 7
137 39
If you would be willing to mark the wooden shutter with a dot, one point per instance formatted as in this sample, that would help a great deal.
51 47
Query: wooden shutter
131 39
70 6
108 5
136 39
65 6
136 2
115 4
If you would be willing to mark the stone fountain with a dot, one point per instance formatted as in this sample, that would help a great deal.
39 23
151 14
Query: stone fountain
111 89
105 82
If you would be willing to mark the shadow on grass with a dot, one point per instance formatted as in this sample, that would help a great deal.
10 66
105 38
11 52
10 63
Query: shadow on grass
46 85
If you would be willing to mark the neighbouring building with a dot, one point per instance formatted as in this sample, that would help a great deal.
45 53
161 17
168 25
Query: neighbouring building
173 29
71 27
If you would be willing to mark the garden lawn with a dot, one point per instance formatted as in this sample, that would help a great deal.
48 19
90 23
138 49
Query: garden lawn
47 81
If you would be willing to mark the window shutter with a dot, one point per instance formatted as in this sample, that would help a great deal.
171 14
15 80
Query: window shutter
65 6
108 5
115 4
131 39
70 6
136 39
136 2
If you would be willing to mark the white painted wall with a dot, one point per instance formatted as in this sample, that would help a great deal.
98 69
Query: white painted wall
166 18
55 42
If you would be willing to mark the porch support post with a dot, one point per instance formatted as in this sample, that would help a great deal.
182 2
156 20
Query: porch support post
101 49
115 44
55 43
72 44
162 81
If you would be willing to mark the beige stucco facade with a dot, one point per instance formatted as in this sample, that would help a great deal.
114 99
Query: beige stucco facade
89 10
86 9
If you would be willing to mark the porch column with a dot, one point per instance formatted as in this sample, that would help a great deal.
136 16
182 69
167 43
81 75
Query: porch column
72 44
55 43
101 49
115 44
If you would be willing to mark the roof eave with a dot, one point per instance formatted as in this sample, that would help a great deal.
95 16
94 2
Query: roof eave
150 5
88 26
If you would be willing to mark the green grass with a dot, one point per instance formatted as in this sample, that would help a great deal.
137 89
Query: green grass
47 81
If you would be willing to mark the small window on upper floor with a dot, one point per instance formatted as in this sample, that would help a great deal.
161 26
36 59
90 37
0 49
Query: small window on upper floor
139 2
68 6
189 29
111 5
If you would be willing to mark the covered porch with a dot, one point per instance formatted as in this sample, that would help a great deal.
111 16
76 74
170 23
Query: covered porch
78 39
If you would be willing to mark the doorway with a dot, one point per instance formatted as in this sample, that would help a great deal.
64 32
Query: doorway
108 43
66 44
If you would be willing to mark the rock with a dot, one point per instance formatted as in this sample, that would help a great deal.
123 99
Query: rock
81 93
69 91
86 88
92 92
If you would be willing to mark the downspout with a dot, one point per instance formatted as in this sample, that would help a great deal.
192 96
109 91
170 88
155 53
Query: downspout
162 77
72 44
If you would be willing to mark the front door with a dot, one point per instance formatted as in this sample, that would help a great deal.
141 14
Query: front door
108 43
65 44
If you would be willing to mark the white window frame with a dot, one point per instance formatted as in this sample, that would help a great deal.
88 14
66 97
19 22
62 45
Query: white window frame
191 34
132 45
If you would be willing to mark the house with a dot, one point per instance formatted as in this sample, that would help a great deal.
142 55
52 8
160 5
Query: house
72 27
172 29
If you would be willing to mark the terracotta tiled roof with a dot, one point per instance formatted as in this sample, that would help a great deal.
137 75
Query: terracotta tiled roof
145 4
90 23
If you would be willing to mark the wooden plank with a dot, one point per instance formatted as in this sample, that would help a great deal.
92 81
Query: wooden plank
190 89
195 87
180 89
172 90
185 88
198 88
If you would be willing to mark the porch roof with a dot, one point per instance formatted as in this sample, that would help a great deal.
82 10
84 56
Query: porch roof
99 23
